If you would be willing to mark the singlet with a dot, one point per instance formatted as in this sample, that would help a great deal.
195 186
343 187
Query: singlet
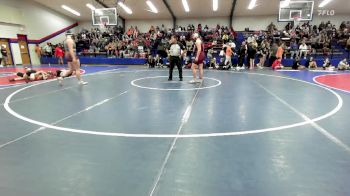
195 49
66 49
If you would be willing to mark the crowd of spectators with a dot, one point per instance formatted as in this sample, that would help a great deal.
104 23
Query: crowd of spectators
296 41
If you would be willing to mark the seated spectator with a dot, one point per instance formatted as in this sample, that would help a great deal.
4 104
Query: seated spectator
213 64
225 38
151 63
311 64
159 61
188 62
343 65
297 65
303 49
327 65
326 51
210 53
294 49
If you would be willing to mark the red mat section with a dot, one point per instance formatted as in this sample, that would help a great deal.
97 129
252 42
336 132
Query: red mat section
8 73
337 81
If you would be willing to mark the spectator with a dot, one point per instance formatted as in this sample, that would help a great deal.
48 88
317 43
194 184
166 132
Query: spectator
280 51
213 64
251 55
38 51
303 49
327 65
343 65
210 53
48 49
241 56
3 52
297 65
277 64
262 54
228 54
311 64
271 27
150 62
293 49
59 54
273 52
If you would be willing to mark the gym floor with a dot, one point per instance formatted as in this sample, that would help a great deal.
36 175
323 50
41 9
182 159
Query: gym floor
130 132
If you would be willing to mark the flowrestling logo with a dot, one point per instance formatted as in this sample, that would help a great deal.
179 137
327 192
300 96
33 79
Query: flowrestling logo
326 12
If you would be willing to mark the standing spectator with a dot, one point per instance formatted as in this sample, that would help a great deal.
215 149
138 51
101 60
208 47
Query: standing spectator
280 51
38 52
262 54
293 49
228 54
273 52
241 56
251 55
4 55
48 49
59 54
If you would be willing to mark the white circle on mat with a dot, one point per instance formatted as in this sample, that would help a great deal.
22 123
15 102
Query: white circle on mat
134 83
142 135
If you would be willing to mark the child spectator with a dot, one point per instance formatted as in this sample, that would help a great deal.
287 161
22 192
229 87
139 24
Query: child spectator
277 64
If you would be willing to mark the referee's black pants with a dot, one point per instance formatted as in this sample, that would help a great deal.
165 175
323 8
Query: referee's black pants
175 60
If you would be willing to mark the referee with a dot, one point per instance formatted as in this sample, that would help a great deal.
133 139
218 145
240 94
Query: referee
175 56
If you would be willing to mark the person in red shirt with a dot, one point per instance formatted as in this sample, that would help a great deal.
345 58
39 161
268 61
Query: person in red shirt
59 54
277 64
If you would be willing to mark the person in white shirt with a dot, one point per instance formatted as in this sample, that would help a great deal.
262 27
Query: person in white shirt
303 49
343 65
232 44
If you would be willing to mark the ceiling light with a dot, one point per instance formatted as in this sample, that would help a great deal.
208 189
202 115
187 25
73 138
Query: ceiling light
152 7
324 2
90 6
126 8
252 4
284 4
215 5
70 10
185 4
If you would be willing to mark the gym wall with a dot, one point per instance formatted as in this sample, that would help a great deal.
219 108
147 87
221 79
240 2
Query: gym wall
32 19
